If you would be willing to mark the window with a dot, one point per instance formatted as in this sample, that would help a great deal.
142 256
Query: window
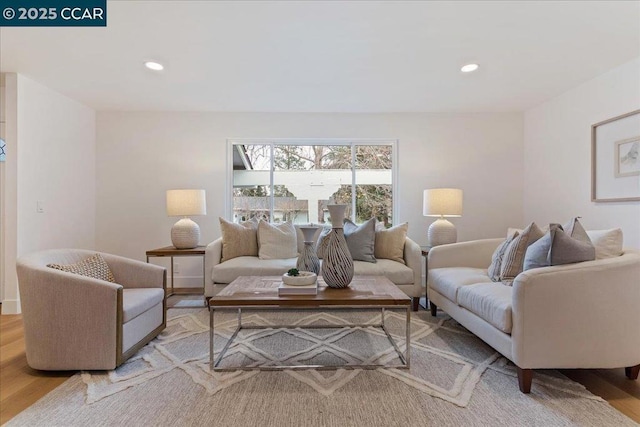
295 180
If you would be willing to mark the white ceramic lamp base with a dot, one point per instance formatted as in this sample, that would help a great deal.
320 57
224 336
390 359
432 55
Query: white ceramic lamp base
441 232
185 234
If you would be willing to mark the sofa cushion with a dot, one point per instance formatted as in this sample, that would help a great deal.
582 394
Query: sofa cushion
490 301
277 241
513 260
447 281
389 243
608 243
238 239
136 301
398 273
95 267
228 271
360 239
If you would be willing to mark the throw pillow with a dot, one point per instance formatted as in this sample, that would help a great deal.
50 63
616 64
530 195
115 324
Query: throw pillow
277 241
558 247
496 259
389 243
574 229
608 243
322 241
360 239
238 239
95 266
513 260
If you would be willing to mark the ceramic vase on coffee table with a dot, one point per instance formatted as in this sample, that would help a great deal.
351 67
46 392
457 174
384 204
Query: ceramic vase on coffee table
308 259
337 264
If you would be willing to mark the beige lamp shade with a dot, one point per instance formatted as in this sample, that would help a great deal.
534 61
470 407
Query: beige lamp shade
185 234
186 202
442 202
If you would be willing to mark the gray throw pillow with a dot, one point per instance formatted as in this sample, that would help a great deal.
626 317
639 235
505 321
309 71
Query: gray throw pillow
361 239
558 247
322 241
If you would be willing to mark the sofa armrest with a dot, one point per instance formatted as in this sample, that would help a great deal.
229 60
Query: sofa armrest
582 315
413 260
131 273
212 257
474 254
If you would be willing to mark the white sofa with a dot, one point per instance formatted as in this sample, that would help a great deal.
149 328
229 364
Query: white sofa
583 315
408 276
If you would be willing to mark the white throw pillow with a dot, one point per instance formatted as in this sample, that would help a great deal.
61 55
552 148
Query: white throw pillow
608 243
277 241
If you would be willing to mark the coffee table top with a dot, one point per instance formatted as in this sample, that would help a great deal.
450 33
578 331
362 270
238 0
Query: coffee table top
372 291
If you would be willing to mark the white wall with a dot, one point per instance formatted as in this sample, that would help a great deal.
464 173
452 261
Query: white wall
142 154
52 160
557 153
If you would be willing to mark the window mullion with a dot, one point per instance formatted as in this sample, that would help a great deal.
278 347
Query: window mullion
353 182
271 180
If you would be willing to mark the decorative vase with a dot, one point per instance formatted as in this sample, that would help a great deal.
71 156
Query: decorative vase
337 264
308 259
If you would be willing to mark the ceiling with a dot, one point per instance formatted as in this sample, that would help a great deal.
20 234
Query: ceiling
303 56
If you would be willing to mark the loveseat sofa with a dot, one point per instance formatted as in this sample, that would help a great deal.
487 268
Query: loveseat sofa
407 276
582 315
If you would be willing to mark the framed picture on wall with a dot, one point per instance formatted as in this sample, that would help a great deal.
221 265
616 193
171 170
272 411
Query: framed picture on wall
615 159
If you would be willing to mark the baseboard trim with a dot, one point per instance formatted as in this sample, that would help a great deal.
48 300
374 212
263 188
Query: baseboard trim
11 306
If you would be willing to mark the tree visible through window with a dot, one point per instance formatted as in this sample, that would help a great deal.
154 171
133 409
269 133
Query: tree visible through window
295 182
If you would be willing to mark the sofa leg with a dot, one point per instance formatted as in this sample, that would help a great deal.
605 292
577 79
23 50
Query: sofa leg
434 308
525 376
632 372
415 303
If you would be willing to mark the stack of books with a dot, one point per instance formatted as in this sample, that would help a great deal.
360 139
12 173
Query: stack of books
297 290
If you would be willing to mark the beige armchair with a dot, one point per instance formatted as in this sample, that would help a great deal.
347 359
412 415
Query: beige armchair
74 322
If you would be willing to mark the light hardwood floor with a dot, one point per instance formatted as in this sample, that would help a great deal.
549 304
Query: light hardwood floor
21 386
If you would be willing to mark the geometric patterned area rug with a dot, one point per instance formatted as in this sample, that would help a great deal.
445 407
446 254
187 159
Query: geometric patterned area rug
455 379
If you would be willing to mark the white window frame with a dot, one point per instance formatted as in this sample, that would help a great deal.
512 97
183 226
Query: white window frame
351 142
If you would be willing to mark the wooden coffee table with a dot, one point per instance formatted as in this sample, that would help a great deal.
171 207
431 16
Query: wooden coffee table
261 293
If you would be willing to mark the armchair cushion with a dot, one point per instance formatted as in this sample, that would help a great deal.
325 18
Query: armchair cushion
95 266
138 300
398 273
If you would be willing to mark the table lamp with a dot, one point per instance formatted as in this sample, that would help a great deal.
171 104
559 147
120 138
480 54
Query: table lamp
185 234
441 203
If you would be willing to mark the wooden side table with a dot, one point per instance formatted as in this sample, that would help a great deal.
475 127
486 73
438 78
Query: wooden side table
425 255
170 251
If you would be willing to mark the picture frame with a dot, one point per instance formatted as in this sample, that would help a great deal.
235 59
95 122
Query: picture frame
615 159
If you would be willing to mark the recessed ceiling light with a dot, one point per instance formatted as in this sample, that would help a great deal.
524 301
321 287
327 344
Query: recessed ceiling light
469 68
155 66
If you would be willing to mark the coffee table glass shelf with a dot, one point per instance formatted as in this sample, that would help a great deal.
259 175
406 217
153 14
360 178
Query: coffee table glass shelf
261 293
